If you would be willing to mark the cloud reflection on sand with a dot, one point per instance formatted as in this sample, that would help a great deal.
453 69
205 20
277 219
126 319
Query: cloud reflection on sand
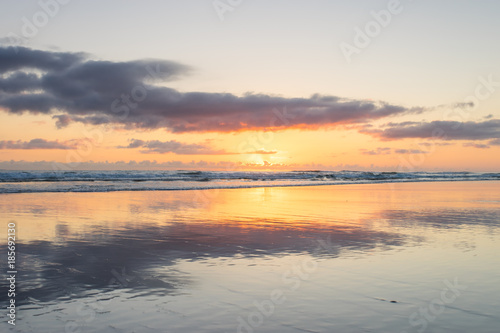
209 260
52 268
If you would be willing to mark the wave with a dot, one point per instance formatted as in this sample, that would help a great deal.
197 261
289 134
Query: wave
106 181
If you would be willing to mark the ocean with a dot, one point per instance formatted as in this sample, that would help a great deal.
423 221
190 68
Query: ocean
107 181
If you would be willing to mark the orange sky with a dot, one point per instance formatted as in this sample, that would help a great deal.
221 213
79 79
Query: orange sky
207 92
291 149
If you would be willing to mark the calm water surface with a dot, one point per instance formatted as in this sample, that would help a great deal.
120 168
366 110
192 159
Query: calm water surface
417 257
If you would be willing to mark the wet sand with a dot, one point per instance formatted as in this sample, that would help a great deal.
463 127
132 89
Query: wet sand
410 257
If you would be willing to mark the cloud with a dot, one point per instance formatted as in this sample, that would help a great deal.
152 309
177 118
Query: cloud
69 82
476 145
173 146
179 165
378 151
62 120
15 58
495 142
35 144
74 88
19 82
386 151
179 148
410 151
262 152
119 165
434 143
445 130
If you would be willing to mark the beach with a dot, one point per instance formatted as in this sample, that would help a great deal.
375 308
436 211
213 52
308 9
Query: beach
249 166
403 257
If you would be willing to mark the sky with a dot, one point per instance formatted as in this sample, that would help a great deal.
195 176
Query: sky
392 85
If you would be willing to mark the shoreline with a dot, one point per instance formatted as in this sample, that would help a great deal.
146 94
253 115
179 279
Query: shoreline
261 186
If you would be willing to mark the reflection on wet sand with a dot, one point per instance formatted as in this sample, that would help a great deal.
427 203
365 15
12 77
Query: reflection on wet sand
166 245
76 261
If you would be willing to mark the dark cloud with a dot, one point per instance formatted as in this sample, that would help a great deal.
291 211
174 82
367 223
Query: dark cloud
69 82
35 144
76 89
445 130
19 82
15 58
